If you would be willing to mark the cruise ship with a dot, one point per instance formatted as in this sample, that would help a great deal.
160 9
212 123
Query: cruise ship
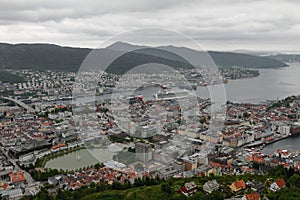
172 94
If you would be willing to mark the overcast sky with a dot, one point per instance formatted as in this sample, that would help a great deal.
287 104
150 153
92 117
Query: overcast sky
215 24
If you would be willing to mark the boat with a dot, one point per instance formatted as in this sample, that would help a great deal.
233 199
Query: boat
171 94
164 87
255 144
188 87
283 153
295 129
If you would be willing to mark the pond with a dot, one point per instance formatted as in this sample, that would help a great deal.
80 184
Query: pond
79 159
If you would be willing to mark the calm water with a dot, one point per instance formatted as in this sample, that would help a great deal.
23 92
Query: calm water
291 143
271 84
80 159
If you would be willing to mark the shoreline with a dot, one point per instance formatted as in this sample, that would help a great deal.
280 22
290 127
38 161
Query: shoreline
81 156
47 158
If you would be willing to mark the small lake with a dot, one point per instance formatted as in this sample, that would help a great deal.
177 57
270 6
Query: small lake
79 159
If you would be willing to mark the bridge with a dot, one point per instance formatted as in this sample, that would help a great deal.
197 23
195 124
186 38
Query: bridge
20 103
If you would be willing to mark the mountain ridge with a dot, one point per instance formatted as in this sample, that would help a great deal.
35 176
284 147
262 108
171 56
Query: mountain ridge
44 56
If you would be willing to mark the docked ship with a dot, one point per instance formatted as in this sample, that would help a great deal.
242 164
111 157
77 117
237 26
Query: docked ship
295 129
188 87
172 94
204 84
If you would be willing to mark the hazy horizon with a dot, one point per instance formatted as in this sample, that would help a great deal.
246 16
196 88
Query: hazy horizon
156 45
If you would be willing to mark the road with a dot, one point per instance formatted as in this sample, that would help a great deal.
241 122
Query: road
20 103
28 177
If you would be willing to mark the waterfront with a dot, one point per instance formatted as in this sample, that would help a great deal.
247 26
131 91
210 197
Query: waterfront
291 143
270 84
79 159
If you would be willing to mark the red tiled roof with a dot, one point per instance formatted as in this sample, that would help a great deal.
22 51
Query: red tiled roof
253 196
240 184
17 177
280 182
286 165
3 185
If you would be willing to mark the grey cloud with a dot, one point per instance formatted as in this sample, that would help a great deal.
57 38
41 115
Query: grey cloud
82 23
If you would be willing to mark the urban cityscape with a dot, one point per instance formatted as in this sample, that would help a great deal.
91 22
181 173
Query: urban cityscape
149 114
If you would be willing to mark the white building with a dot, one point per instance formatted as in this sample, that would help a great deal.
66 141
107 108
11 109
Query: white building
284 130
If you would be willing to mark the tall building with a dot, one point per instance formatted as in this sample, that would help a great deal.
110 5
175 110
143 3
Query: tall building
143 152
145 131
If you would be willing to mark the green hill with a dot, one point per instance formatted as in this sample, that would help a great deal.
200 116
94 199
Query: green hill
41 57
6 76
54 57
244 60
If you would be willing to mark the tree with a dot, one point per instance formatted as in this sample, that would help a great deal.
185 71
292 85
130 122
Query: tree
31 166
278 171
97 166
246 114
166 188
138 182
138 167
197 196
131 150
131 139
202 120
256 165
294 180
92 184
216 195
117 186
61 195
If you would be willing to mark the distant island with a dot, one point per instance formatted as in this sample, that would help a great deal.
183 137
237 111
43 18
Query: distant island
286 57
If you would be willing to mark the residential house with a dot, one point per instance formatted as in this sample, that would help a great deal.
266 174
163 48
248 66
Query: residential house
256 186
211 186
52 181
189 188
253 196
238 185
277 185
